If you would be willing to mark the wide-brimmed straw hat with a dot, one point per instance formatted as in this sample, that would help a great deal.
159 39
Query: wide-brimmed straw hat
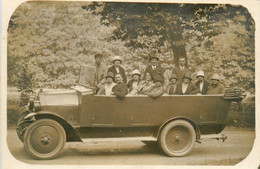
116 58
215 76
136 72
200 73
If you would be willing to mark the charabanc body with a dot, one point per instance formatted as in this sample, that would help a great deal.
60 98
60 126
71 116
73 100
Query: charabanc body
175 122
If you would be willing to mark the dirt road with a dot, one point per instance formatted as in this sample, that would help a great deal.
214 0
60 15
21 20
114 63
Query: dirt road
209 152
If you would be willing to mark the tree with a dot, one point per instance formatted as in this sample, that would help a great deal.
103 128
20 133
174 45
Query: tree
220 44
25 86
56 39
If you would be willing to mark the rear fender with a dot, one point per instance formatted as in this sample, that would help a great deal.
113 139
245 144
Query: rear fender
180 118
71 134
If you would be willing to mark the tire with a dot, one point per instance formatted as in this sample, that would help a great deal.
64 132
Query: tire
44 139
177 138
21 126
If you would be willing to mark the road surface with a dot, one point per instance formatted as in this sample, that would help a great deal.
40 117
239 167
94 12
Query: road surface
209 152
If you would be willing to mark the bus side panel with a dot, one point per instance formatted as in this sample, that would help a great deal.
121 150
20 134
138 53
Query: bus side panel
214 109
147 111
97 111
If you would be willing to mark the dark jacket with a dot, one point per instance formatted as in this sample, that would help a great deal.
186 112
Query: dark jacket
157 72
145 86
130 84
177 70
171 89
155 91
216 89
120 90
204 87
121 71
191 89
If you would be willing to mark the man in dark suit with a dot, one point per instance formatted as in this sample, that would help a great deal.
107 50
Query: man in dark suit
201 84
181 69
116 68
154 68
119 90
186 87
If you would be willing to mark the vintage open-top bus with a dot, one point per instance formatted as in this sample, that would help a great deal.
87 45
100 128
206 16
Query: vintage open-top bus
175 122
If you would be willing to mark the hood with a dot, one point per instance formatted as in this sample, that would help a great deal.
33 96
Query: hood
58 97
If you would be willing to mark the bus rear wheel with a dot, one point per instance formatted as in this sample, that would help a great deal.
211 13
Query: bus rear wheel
177 138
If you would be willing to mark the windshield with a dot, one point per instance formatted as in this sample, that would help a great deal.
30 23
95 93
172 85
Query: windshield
86 76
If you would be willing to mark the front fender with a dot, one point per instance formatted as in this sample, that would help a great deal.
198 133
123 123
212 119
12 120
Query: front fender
29 115
70 131
43 113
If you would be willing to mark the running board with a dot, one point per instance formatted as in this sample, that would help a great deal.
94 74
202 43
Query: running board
93 140
222 137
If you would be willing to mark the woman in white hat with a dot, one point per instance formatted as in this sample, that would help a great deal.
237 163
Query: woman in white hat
215 86
116 68
201 83
133 84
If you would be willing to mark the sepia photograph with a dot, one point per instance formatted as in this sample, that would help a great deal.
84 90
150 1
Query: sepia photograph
130 83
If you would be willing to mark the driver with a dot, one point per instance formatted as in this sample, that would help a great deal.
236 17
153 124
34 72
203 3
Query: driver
109 84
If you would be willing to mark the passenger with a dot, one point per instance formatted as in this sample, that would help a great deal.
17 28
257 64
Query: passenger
145 84
120 89
99 76
133 85
154 68
171 87
181 69
116 68
215 87
201 84
186 86
109 84
156 89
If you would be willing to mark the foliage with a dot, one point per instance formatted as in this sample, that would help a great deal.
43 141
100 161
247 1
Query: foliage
57 39
225 47
54 39
25 86
215 38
